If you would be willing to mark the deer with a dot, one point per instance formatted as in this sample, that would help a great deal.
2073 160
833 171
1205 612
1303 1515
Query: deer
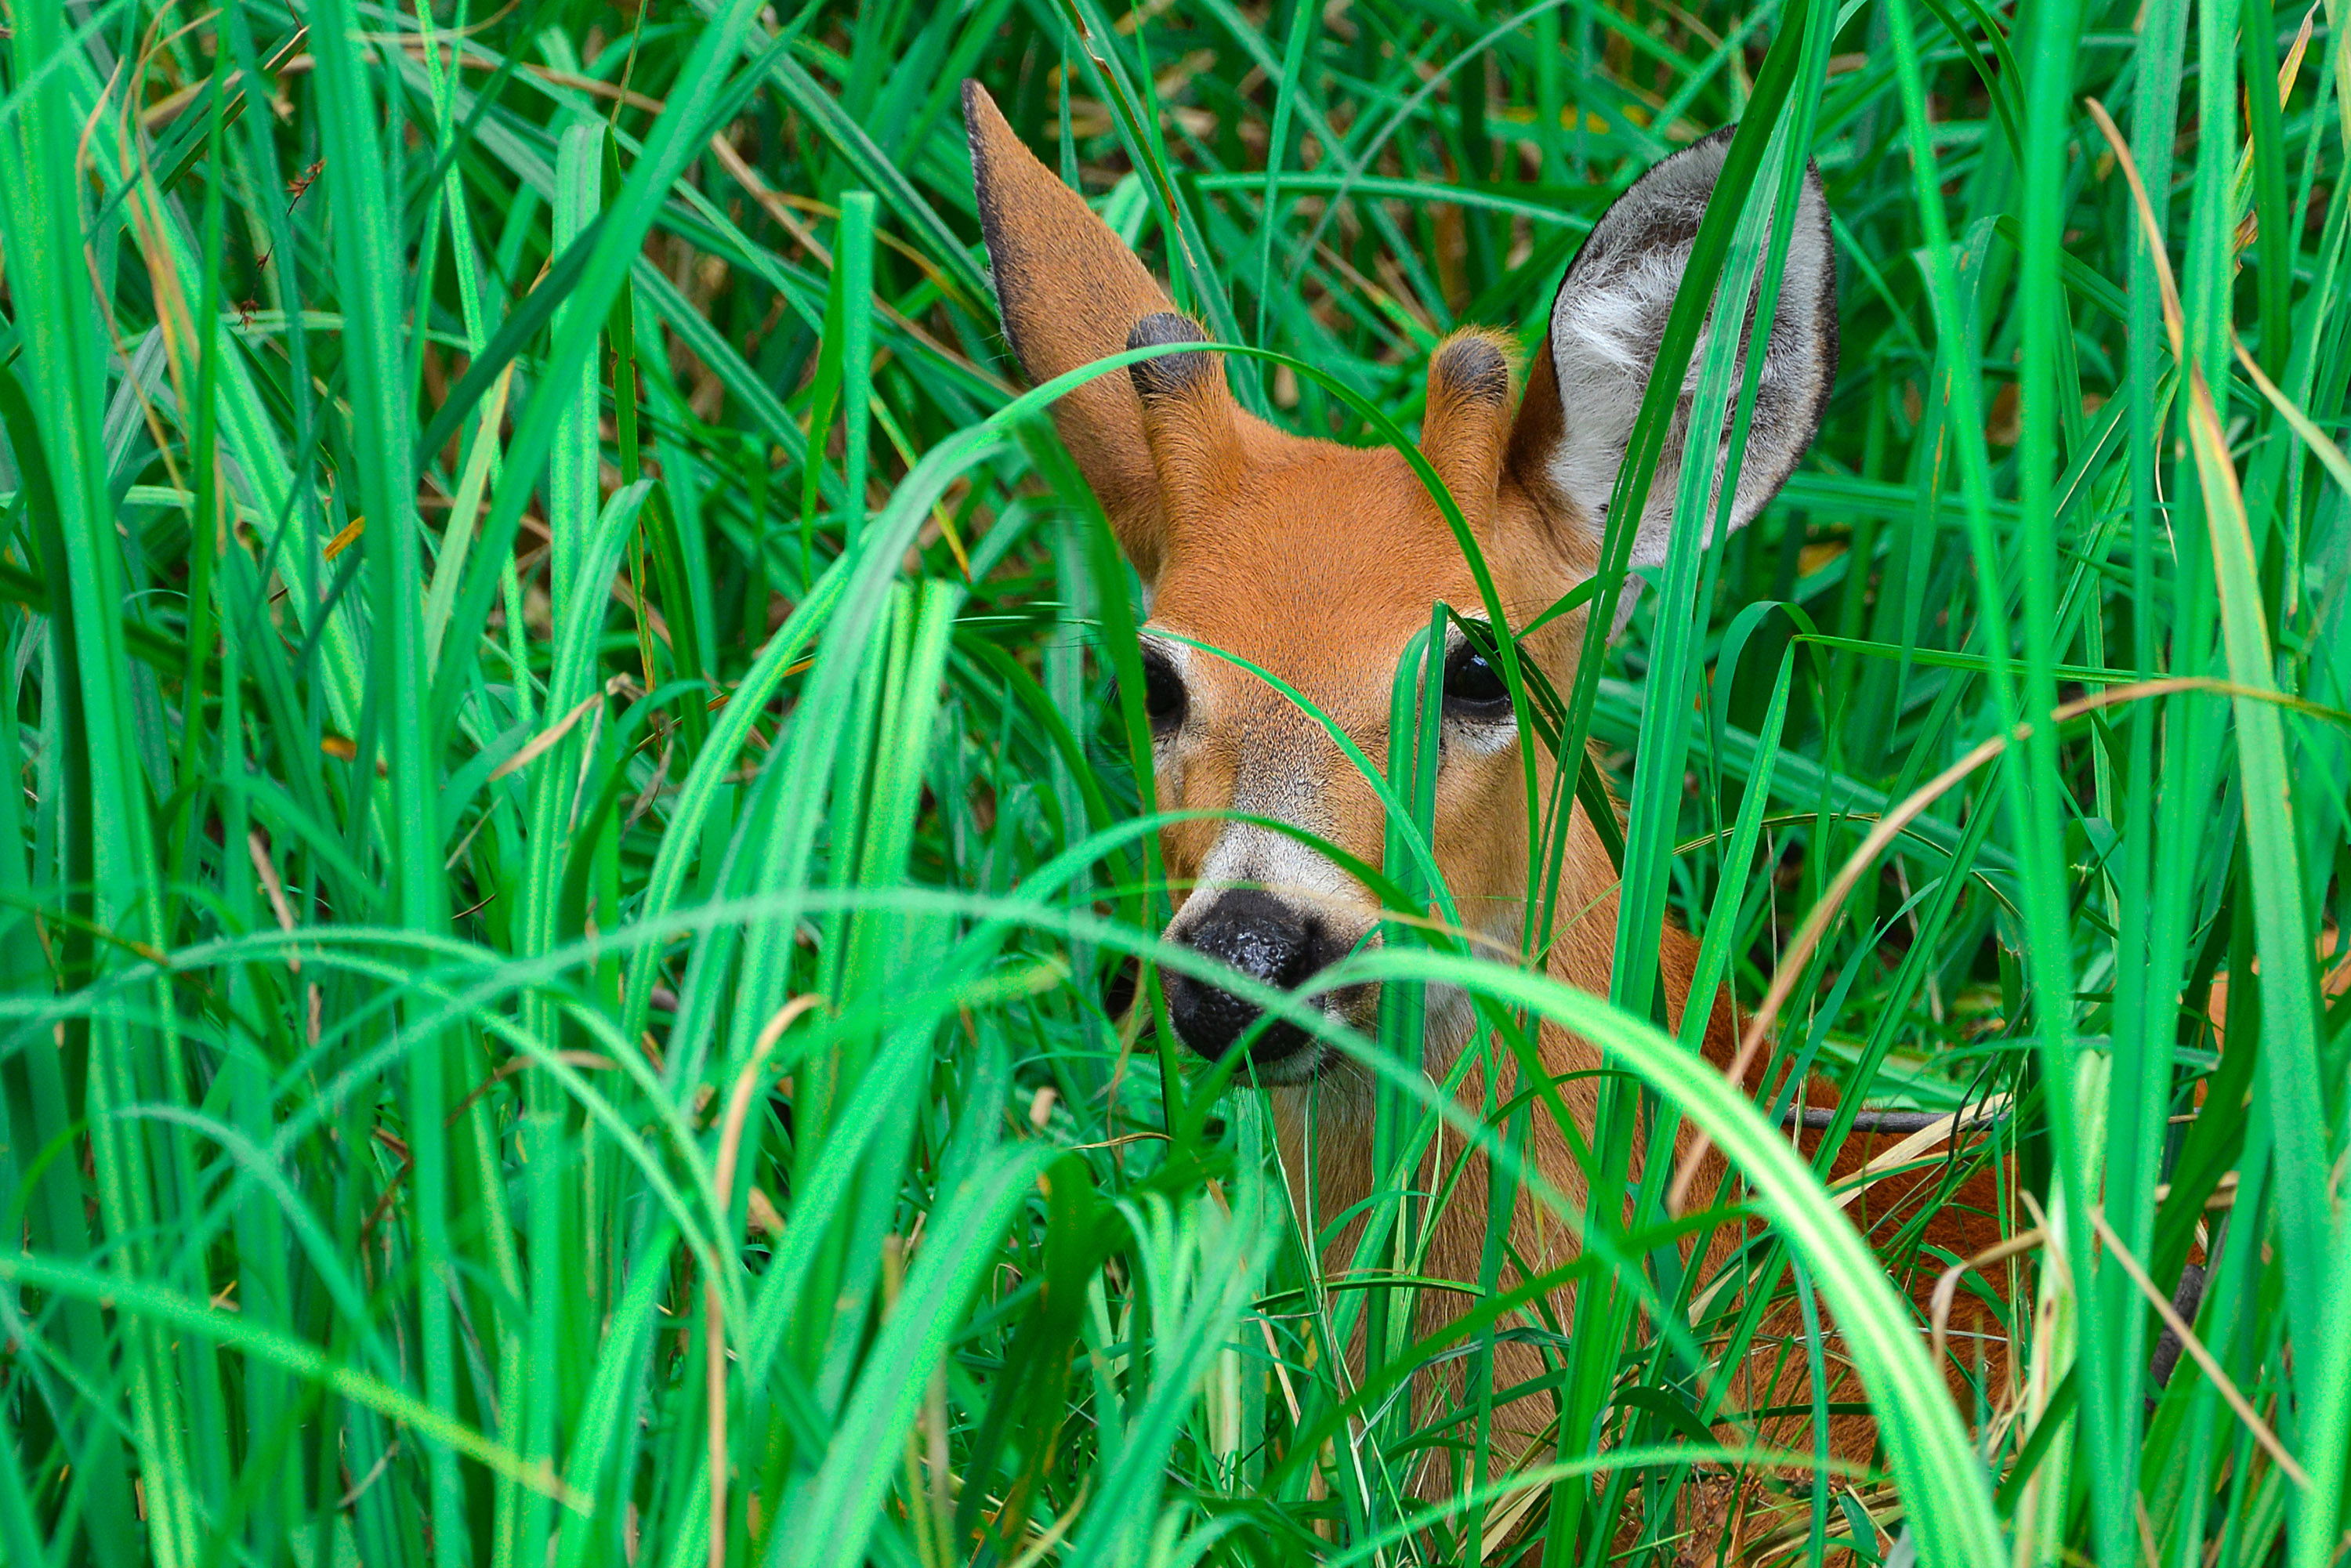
1318 562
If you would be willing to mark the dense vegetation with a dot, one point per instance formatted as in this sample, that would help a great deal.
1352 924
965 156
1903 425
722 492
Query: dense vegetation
557 920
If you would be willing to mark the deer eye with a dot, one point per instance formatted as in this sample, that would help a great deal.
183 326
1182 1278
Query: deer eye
1473 686
1163 692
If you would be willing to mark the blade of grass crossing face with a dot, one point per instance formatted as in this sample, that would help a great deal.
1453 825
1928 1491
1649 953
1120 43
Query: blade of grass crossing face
1391 1239
1149 903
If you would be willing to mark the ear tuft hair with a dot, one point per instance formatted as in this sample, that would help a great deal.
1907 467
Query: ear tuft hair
1469 417
1472 366
1169 375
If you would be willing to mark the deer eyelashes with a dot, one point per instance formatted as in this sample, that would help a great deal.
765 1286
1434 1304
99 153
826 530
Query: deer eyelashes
1164 696
1474 689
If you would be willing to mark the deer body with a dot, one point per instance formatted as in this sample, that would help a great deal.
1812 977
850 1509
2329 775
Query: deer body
1319 563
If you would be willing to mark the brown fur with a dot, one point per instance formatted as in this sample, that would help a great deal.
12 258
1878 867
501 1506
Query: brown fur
1319 562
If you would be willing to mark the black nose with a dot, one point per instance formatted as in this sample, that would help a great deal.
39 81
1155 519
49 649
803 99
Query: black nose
1264 939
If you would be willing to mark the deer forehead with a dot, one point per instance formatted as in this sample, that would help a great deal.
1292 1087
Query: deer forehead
1318 568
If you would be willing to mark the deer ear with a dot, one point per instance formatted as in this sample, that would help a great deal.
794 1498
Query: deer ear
1070 292
1586 385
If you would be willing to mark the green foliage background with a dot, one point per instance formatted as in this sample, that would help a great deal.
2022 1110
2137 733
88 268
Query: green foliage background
556 917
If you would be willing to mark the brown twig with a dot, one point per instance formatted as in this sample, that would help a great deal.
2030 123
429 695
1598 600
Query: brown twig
2204 1358
1948 1286
1831 906
714 1318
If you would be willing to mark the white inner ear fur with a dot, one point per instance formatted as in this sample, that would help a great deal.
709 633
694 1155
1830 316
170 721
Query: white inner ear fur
1609 316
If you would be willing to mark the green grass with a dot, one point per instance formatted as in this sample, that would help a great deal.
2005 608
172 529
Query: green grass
557 914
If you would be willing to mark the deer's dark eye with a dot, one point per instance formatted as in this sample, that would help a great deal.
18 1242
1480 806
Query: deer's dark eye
1473 686
1163 692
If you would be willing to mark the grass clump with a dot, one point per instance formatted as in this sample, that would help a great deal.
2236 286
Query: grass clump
574 827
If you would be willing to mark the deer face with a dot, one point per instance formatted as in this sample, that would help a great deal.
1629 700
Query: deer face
1317 564
1337 558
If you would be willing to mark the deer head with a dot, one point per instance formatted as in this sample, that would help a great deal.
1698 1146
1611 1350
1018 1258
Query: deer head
1318 562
